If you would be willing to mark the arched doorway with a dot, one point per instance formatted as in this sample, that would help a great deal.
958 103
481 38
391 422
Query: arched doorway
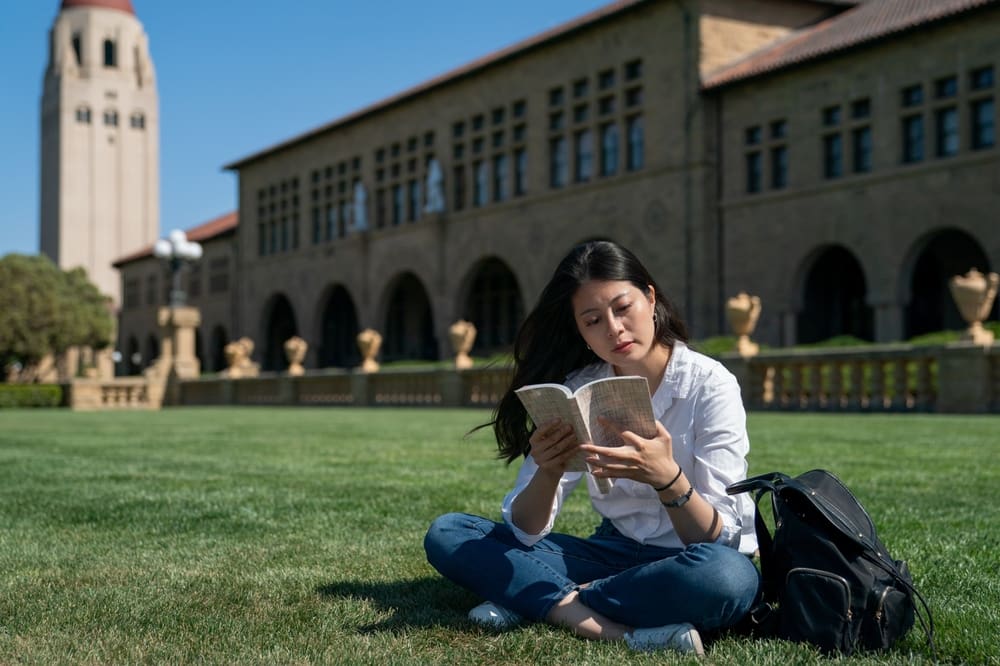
279 326
339 331
217 353
944 254
834 299
494 305
409 324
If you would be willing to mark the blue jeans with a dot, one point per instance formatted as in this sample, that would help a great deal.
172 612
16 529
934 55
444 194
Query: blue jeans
708 585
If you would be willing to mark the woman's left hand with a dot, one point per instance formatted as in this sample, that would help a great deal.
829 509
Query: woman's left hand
645 460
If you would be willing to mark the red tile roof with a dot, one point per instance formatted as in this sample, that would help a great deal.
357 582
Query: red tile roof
867 22
120 5
203 232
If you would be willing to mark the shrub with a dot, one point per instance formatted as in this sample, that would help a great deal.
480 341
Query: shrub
30 395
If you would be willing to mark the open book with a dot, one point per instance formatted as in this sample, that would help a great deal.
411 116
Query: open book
623 400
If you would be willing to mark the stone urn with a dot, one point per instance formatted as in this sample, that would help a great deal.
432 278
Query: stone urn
974 294
295 352
237 355
369 342
743 311
462 334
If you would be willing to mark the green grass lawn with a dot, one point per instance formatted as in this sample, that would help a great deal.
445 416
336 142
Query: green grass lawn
256 535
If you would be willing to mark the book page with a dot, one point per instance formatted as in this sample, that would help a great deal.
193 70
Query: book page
545 402
623 400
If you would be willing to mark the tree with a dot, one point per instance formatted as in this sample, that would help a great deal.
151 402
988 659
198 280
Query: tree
46 310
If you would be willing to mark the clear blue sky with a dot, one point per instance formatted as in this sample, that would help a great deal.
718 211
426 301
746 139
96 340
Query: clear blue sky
236 77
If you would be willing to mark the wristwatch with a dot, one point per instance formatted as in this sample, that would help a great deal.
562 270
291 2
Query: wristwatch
678 502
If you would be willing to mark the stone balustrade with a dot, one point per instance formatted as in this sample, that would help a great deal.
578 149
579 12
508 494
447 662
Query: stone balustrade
119 393
955 378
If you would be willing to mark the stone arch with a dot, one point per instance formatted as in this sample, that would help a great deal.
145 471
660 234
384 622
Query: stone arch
833 297
493 302
217 351
278 324
338 330
933 261
409 321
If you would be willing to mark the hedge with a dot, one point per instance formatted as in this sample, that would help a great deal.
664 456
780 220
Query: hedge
30 395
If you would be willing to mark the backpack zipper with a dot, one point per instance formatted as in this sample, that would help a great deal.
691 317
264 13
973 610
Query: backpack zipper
881 603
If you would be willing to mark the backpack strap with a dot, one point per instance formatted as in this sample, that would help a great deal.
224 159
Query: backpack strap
761 485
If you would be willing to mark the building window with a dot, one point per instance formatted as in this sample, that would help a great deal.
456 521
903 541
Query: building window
481 183
317 225
633 70
83 115
110 53
581 113
459 196
151 289
636 148
519 108
779 167
397 205
131 298
556 97
982 110
609 149
111 118
137 121
833 156
584 156
751 136
983 124
946 88
78 48
606 79
913 139
556 122
500 192
330 229
413 200
946 131
520 171
753 165
557 162
861 144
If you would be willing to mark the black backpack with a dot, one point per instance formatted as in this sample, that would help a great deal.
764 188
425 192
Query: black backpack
827 578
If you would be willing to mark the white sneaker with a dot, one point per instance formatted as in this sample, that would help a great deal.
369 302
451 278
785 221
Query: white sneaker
488 614
679 637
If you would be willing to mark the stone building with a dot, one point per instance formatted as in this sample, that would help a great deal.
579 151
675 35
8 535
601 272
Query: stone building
99 140
836 158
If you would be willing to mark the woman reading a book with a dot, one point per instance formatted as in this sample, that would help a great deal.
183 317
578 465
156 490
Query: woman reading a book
668 559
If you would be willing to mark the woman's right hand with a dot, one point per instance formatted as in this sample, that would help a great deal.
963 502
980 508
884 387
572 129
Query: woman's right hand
553 446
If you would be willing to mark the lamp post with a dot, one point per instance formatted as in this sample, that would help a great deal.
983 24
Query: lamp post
177 251
178 322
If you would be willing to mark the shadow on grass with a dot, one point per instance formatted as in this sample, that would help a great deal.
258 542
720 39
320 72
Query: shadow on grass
419 602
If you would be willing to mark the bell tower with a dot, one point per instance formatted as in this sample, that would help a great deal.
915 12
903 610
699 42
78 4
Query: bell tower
100 175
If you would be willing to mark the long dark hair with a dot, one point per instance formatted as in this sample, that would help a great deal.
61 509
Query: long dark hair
549 346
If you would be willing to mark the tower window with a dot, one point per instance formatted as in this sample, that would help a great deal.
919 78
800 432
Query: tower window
78 48
110 53
137 121
111 118
83 115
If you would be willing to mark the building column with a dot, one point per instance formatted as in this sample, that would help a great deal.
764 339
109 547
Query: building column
888 322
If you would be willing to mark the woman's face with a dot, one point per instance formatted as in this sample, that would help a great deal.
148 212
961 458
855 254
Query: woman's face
615 319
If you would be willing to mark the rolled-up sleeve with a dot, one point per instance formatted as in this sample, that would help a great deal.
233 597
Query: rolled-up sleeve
524 476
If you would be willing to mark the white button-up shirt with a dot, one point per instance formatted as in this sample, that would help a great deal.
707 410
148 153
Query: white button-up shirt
699 404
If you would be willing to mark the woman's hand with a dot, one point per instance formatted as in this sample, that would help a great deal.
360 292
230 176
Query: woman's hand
645 460
553 446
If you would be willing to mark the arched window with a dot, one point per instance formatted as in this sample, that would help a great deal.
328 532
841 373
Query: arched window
110 53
